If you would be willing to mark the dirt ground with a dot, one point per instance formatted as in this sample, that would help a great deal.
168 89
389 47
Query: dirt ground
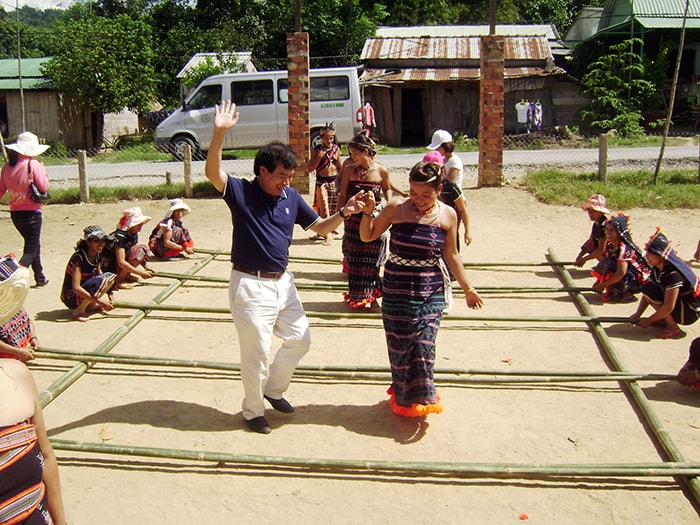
349 419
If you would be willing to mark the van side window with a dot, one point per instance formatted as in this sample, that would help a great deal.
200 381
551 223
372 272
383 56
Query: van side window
250 92
323 89
330 88
206 97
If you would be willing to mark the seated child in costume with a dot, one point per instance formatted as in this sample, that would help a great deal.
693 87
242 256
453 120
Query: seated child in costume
86 288
689 374
673 290
17 339
124 256
451 195
623 270
594 247
170 238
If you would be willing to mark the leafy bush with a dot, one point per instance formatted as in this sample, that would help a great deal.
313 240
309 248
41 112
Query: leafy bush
618 85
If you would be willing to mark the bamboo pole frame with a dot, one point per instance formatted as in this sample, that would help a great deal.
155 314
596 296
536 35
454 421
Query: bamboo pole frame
341 286
373 372
62 383
400 468
322 260
371 315
641 402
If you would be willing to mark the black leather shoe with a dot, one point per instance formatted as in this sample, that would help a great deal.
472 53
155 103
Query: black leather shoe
259 425
281 405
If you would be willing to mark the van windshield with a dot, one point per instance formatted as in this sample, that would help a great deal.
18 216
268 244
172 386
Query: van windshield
323 89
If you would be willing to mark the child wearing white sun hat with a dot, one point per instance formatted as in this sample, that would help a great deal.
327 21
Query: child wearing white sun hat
17 339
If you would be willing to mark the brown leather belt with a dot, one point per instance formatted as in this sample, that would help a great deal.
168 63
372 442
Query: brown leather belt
258 273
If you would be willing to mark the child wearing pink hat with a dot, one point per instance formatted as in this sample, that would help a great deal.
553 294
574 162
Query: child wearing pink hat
594 247
124 255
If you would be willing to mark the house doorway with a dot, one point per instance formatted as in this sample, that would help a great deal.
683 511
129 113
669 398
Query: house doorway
412 124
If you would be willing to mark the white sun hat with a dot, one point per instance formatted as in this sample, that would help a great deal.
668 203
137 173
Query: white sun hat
28 145
132 217
439 137
177 204
14 284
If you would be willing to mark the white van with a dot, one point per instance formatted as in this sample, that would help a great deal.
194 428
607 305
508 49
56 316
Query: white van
261 99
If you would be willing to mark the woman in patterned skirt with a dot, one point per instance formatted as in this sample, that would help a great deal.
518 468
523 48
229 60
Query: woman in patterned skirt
416 284
363 260
30 490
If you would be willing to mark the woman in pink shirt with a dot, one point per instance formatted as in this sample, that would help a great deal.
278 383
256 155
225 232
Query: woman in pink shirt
15 177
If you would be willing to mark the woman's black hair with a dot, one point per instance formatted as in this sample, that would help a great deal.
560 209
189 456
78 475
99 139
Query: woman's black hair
426 173
449 147
12 157
365 143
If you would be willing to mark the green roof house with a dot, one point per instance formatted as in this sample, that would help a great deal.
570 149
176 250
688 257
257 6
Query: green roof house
51 115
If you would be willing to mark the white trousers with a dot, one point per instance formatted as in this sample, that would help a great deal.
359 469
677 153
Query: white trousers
260 309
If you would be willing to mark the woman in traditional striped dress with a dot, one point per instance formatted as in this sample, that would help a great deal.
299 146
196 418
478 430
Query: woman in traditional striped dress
30 490
363 260
416 285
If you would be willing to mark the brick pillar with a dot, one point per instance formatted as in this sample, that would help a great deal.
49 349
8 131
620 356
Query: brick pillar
298 107
491 113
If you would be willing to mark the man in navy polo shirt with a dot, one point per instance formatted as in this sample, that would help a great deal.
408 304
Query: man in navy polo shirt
263 299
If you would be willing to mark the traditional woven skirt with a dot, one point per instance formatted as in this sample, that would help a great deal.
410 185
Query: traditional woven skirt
23 497
362 260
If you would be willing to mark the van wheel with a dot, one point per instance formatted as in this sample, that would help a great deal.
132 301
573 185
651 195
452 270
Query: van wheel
177 146
315 139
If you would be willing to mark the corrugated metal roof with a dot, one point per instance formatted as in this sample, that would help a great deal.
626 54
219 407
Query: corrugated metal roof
451 48
32 77
242 57
656 14
446 74
546 30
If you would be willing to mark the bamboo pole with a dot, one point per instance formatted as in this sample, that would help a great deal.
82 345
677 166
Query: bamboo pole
371 315
342 286
383 373
322 260
70 377
641 402
400 468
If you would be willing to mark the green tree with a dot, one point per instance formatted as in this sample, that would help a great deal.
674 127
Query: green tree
106 64
225 63
619 89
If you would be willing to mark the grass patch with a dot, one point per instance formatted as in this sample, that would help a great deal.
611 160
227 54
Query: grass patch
98 194
623 190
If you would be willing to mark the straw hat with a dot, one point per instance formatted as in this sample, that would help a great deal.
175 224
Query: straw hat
439 137
132 217
28 145
14 284
177 204
596 203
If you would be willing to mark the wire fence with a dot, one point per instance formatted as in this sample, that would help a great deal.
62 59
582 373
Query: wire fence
522 154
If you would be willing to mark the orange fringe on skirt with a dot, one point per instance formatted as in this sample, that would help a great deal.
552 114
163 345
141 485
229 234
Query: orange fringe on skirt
415 410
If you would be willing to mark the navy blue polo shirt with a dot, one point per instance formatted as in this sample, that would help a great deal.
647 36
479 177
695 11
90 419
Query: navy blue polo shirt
263 225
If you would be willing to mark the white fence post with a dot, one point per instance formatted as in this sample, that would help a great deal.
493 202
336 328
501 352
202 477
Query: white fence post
188 171
82 176
603 157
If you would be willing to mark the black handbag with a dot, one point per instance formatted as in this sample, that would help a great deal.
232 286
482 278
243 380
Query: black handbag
34 193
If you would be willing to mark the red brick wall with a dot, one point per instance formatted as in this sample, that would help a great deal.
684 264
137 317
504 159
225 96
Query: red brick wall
299 130
491 112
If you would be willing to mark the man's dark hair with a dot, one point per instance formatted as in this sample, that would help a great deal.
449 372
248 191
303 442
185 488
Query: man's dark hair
274 154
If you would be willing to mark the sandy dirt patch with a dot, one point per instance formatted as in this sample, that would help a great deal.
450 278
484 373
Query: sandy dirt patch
341 419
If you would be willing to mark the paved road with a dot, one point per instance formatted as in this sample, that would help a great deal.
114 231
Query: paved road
515 163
